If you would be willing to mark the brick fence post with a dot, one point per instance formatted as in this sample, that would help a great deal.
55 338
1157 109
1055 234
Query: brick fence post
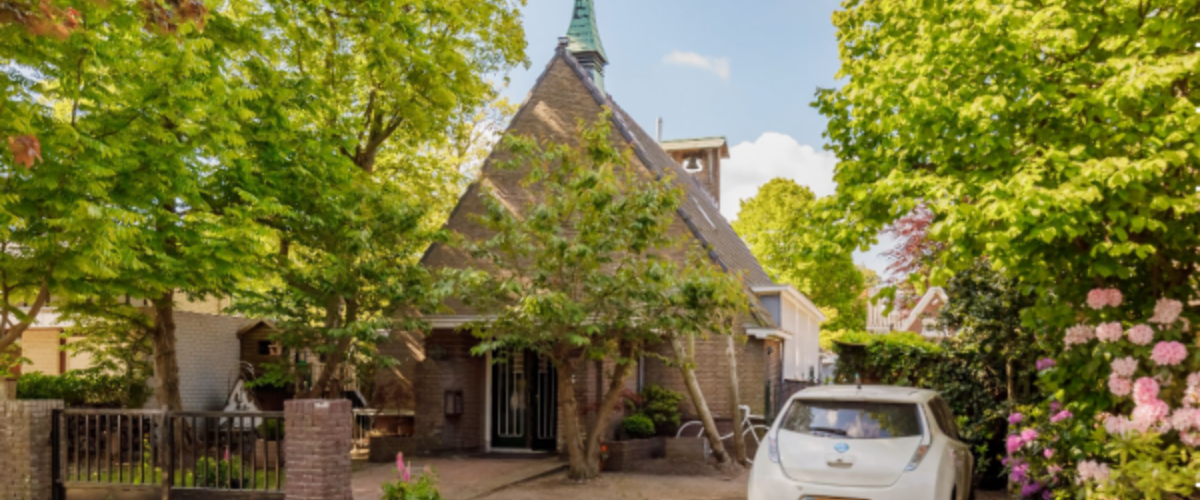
26 451
317 446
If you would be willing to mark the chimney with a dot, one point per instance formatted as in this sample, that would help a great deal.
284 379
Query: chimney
584 41
658 131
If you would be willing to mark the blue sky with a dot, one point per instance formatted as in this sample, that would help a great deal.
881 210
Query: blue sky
747 70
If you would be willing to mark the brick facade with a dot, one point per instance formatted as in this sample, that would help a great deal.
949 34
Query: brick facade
318 449
26 450
450 366
755 367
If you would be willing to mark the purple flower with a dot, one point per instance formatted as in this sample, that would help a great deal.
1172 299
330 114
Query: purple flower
1014 443
1048 453
1015 418
1028 435
1055 406
1046 363
1030 489
1047 495
1063 415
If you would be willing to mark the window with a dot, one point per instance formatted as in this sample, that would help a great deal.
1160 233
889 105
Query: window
944 417
264 348
853 419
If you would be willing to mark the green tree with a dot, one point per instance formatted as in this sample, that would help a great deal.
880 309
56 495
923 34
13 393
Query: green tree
586 270
776 225
1058 139
365 95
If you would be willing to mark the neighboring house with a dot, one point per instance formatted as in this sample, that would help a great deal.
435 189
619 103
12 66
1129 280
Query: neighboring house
462 401
206 343
920 318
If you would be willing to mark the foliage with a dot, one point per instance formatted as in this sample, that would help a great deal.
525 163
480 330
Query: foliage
371 97
1135 372
661 406
775 225
1057 140
271 430
587 269
423 488
955 368
91 388
638 426
211 471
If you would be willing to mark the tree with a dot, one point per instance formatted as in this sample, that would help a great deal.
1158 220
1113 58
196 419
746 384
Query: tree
776 225
587 269
364 94
1058 141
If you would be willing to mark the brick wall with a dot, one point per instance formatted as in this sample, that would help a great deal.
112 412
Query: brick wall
395 387
317 449
43 349
712 373
209 359
26 451
449 366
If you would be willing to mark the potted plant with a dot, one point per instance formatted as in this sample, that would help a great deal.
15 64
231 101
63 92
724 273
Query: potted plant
269 444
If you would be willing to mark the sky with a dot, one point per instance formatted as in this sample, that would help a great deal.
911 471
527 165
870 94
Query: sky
746 70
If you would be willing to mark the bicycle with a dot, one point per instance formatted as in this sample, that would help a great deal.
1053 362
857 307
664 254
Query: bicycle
757 431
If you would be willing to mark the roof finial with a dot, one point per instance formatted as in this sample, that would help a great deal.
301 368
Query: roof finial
585 42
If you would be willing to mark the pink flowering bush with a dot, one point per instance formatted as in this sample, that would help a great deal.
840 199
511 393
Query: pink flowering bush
423 487
1132 425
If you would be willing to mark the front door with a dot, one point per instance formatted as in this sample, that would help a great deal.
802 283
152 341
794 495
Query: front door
524 402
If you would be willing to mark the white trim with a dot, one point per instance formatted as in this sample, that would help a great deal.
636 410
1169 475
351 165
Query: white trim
765 333
452 321
935 292
798 297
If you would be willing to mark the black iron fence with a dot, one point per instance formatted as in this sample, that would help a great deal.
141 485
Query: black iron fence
163 454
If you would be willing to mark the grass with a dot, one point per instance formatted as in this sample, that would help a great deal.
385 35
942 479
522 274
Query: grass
133 474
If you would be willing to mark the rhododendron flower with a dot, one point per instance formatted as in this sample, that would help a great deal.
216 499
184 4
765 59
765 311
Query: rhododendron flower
1118 386
1014 443
1150 414
1046 363
1184 419
1015 418
1141 335
1063 415
1047 495
1055 406
1019 473
1028 435
1097 299
1053 470
1168 353
1048 453
1193 380
1166 311
1124 367
1078 334
1117 425
1091 470
1190 438
1145 390
1030 489
1109 332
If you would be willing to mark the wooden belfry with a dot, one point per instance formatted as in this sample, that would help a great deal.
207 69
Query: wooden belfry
701 158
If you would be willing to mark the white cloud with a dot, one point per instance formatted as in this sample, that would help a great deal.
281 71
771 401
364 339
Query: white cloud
752 164
716 65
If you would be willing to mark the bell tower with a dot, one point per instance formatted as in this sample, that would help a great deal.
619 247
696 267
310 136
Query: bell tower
584 41
701 159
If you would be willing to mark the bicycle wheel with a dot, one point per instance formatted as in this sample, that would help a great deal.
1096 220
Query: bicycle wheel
757 432
689 424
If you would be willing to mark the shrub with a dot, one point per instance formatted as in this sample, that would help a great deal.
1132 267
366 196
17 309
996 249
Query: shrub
661 406
405 488
639 426
271 430
82 388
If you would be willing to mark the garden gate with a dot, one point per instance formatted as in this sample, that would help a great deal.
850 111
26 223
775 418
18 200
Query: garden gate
164 455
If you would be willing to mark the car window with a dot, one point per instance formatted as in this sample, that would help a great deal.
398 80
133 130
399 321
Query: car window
852 419
944 417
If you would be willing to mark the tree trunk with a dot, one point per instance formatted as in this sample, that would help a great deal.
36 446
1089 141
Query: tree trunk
578 467
604 412
1011 384
685 357
166 362
333 361
735 402
10 334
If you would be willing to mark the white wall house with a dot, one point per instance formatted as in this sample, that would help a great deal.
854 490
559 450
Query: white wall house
800 321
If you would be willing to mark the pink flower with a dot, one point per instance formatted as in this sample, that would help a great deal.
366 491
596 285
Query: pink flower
1115 298
1046 363
1097 299
1014 443
402 469
1078 334
1117 425
1166 311
1193 380
1124 367
1091 470
1063 415
1118 386
1109 332
1015 418
1028 435
1048 453
1168 353
1190 438
1150 414
1054 469
1145 390
1055 406
1183 419
1141 335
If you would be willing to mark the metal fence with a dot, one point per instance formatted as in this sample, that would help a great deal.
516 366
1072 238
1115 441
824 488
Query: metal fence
163 454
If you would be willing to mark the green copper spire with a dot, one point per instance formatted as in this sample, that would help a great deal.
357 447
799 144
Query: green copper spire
585 42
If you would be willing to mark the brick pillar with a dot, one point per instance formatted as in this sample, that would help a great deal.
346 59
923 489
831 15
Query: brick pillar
26 450
317 446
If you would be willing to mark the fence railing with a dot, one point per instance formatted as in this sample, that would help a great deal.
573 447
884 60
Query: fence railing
362 426
202 452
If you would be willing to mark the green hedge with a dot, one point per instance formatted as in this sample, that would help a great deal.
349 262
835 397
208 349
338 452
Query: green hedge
83 388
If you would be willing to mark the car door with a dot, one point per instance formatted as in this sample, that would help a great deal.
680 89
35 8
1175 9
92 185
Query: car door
964 461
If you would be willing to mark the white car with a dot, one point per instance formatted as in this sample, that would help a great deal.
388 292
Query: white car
863 443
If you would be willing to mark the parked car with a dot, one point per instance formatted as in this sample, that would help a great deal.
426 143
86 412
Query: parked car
863 443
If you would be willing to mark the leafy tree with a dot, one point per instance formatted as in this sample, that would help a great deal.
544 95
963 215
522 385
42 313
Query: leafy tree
776 225
364 94
587 269
1057 139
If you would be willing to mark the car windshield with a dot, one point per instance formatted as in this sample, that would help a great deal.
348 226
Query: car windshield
852 419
